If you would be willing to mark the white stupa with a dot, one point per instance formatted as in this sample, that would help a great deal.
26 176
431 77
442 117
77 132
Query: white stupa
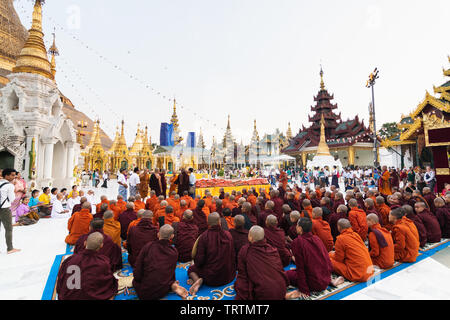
323 158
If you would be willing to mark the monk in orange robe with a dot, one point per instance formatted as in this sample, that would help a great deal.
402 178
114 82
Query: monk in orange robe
231 203
151 201
121 203
380 243
78 224
306 204
173 186
405 236
183 207
384 211
357 218
384 183
174 202
138 203
117 210
351 259
169 216
160 212
251 198
133 223
322 229
225 200
144 179
103 199
111 227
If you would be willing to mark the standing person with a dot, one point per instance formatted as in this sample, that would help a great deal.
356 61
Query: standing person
430 178
134 182
144 179
192 181
20 189
155 182
122 181
97 178
183 182
384 184
335 177
6 198
420 179
163 183
105 179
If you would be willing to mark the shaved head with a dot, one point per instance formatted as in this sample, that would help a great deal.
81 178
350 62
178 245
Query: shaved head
271 221
373 218
239 220
147 214
188 215
213 219
270 205
165 232
94 241
255 234
352 203
295 215
317 212
86 205
130 205
140 213
108 214
343 224
96 224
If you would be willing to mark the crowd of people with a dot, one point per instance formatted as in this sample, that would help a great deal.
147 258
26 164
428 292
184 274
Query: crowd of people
248 235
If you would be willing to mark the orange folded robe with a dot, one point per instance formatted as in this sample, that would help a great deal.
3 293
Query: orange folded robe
351 258
357 218
381 257
151 202
78 225
111 227
138 205
322 229
406 241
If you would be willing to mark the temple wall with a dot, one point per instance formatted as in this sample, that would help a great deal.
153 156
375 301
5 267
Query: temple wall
363 158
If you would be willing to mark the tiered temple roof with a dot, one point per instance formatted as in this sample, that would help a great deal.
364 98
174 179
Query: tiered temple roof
338 133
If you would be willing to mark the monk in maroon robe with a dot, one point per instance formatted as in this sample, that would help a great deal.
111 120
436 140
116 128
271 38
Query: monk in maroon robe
313 264
109 249
87 275
341 213
239 234
430 222
260 272
200 217
276 238
268 210
278 204
292 233
338 201
185 236
214 257
138 236
429 197
125 219
409 213
443 216
370 208
99 214
78 207
154 273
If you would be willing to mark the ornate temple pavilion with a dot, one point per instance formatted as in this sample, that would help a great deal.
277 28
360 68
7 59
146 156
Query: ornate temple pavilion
424 136
350 141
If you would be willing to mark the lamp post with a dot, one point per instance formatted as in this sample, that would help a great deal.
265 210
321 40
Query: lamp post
371 84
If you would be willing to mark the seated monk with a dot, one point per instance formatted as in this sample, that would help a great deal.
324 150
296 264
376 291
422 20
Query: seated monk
158 216
315 201
138 203
251 198
405 236
351 259
370 208
228 218
125 218
200 217
360 200
430 222
214 257
174 202
418 222
238 209
141 234
275 237
134 223
97 282
417 196
380 243
103 200
151 201
219 206
154 272
292 233
384 210
429 196
183 207
239 233
325 204
443 216
189 201
109 249
260 272
338 200
357 218
169 216
186 233
307 209
117 210
231 204
78 224
341 213
313 264
121 203
111 227
322 229
78 206
268 210
99 213
247 213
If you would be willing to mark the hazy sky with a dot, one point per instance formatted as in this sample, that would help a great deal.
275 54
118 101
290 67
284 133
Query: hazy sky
252 59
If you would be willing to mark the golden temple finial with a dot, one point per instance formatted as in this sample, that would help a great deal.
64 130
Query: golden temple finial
33 56
54 52
322 148
289 132
228 125
322 84
254 124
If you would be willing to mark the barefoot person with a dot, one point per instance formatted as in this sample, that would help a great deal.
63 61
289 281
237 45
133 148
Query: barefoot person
7 196
154 272
214 259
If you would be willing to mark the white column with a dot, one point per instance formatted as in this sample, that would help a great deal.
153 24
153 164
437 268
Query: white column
70 160
48 159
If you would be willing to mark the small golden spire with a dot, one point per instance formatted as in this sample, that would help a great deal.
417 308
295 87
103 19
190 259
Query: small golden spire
228 125
33 56
54 52
289 132
322 148
322 84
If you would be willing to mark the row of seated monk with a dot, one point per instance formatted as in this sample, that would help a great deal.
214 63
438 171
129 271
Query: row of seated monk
256 236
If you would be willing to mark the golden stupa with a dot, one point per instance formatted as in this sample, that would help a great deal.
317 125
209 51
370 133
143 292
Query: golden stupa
33 56
322 148
13 36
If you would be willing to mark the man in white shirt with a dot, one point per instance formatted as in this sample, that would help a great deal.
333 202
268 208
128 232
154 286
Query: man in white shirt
73 200
7 196
91 199
429 178
192 181
57 209
134 182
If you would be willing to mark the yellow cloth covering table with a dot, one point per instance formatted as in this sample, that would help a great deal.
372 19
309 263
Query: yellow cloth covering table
215 191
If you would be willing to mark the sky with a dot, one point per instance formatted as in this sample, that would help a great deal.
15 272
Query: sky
250 59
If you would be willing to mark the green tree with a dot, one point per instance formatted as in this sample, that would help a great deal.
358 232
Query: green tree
388 130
